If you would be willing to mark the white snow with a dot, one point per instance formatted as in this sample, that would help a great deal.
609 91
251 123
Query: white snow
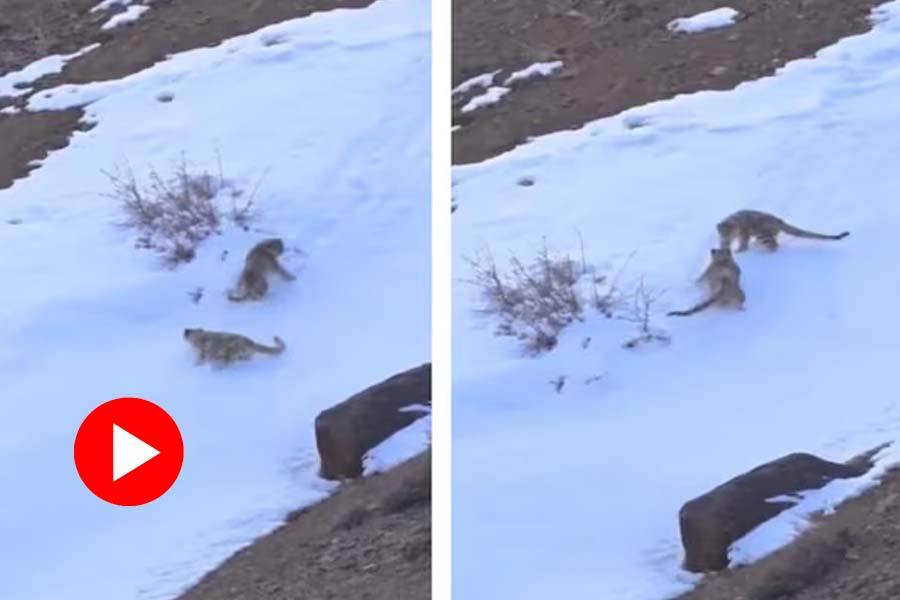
108 4
403 445
129 15
12 84
484 80
9 110
711 19
491 96
494 93
576 494
540 69
343 154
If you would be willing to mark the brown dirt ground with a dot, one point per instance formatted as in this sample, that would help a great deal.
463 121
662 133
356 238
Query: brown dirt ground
371 540
619 54
30 30
851 555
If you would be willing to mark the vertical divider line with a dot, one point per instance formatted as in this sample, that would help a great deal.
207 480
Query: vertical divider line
441 13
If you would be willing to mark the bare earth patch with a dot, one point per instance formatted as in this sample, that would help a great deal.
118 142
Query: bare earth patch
618 54
30 30
31 136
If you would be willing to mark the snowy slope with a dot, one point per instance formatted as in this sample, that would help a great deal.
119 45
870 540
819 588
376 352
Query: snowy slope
332 114
576 494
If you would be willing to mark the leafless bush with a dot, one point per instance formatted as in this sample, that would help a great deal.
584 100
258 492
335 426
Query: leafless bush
643 299
174 214
612 299
535 300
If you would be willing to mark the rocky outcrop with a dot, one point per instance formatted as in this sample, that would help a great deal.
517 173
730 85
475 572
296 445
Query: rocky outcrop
345 432
712 522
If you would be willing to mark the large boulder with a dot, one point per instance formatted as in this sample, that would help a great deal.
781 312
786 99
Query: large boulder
712 522
345 432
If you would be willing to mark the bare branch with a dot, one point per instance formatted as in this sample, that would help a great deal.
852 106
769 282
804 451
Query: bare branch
174 214
534 300
642 309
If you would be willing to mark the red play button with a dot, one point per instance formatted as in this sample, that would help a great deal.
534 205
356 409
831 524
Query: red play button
128 451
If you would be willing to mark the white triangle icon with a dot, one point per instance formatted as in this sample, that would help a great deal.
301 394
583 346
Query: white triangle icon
129 452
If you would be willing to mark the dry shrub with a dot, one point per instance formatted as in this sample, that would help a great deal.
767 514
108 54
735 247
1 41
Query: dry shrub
174 214
640 312
535 300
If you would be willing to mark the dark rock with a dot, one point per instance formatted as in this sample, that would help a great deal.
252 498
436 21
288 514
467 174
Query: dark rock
712 522
345 432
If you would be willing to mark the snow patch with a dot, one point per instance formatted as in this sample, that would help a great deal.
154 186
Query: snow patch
129 15
494 93
711 19
403 445
484 80
541 69
15 83
491 96
108 4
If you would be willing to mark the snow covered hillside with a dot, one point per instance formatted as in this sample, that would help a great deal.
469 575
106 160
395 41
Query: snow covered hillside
575 494
330 116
